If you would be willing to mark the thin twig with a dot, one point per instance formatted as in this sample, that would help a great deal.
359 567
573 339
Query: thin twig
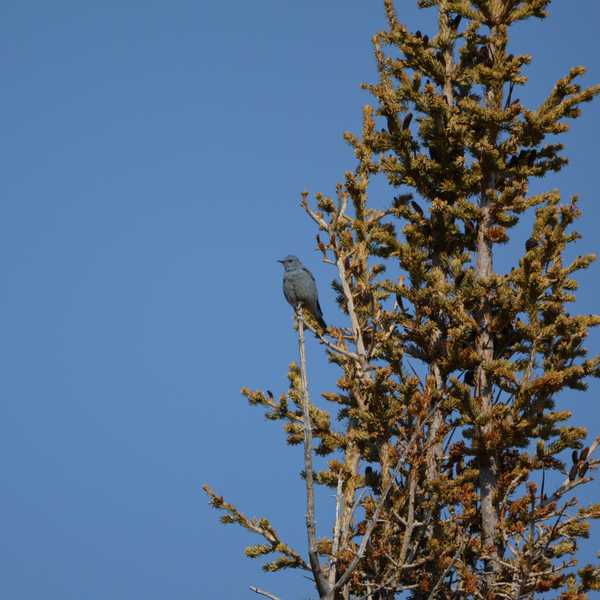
415 373
458 552
331 345
568 484
313 215
258 526
263 593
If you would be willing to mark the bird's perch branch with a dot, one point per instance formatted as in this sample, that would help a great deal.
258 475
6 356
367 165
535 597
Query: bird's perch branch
320 579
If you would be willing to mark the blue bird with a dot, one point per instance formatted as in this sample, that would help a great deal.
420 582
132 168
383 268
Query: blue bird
299 287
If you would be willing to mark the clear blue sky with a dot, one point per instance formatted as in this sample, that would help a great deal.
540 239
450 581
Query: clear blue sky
153 154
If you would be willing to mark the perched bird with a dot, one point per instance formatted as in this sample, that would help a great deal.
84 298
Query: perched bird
299 287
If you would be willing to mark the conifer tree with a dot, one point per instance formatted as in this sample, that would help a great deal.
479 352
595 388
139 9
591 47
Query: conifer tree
454 470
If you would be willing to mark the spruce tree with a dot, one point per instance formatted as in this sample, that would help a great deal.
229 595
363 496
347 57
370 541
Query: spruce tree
454 472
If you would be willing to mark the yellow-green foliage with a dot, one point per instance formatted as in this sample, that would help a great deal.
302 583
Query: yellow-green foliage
433 330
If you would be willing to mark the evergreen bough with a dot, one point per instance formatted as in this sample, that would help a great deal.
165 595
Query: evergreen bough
453 467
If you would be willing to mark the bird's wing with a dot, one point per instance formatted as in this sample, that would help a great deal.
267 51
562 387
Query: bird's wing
288 290
309 274
287 294
312 284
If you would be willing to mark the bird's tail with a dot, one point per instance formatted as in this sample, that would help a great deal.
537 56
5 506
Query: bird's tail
318 315
321 321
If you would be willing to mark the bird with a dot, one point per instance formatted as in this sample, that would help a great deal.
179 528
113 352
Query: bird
299 287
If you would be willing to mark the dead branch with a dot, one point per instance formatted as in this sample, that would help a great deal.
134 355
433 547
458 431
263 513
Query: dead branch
321 581
263 593
339 509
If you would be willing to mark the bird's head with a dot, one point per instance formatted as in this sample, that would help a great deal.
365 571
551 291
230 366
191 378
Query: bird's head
290 262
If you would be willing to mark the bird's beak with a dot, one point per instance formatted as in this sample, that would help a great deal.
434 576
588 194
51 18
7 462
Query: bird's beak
280 261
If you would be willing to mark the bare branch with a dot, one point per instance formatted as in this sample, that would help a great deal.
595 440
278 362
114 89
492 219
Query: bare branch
458 552
313 555
339 509
333 347
356 330
410 524
263 593
312 214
